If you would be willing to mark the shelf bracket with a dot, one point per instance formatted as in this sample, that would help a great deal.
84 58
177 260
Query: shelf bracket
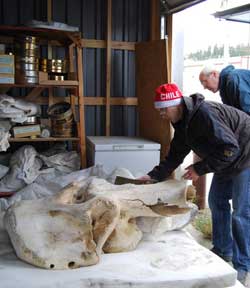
75 39
34 93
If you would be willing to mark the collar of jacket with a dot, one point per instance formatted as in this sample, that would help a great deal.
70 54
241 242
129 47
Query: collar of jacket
192 104
223 77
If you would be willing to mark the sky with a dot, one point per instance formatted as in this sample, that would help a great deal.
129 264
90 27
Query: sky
202 29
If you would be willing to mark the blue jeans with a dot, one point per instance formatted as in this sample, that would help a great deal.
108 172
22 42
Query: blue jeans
231 230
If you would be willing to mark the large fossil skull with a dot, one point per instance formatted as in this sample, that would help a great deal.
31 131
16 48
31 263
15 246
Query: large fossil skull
85 219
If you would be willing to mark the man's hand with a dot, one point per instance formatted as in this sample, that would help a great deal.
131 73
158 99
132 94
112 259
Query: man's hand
190 174
145 177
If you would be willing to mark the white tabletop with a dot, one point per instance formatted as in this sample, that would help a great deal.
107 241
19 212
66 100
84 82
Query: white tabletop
174 260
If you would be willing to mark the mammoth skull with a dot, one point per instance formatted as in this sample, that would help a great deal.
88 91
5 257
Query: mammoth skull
85 219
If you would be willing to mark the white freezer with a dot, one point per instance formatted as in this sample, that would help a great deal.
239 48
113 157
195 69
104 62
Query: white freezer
138 155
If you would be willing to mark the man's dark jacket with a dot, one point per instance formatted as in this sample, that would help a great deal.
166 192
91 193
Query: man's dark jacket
234 86
217 133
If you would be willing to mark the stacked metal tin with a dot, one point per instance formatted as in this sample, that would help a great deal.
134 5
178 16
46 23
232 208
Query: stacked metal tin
62 120
56 68
27 59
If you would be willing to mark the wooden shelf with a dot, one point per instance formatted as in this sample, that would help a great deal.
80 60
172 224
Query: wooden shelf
45 33
50 139
73 42
46 84
59 83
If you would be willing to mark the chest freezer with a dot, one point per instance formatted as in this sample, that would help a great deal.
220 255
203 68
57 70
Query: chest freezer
138 155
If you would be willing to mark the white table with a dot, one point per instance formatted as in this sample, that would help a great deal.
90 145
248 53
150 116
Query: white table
174 260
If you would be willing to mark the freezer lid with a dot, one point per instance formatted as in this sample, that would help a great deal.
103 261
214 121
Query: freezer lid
121 143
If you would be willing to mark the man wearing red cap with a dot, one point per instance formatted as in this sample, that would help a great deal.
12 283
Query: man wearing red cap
219 135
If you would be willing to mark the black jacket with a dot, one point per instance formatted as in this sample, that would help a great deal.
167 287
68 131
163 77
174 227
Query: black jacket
217 133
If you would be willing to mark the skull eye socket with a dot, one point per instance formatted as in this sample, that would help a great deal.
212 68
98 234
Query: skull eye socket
71 264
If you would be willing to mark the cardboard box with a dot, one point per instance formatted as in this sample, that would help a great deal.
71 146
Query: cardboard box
6 59
42 76
26 131
7 69
7 80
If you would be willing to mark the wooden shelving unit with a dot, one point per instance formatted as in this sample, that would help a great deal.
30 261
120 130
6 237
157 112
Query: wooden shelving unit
50 139
70 40
46 84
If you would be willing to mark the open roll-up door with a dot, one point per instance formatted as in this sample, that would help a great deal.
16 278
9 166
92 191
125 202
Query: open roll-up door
173 6
236 14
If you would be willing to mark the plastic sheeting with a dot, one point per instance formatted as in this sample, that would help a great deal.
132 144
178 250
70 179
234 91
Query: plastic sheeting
26 165
47 184
17 110
4 134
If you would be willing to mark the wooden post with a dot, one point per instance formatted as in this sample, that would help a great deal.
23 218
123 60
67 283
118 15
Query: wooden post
81 127
71 71
108 67
200 186
155 33
170 40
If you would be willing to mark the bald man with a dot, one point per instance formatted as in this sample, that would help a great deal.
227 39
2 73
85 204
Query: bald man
233 85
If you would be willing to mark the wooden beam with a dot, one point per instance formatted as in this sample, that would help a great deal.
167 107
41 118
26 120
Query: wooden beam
155 31
170 45
130 101
100 101
108 66
123 45
114 101
86 43
81 126
90 101
89 43
71 58
74 38
49 10
34 93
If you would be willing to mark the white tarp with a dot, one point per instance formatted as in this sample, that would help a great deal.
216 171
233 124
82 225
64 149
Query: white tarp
4 134
49 184
26 165
17 110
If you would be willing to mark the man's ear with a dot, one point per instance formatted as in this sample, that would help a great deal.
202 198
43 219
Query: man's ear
213 73
216 74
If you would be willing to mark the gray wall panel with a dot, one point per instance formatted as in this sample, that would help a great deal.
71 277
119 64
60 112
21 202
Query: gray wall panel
15 12
74 13
59 10
40 10
95 120
89 16
26 14
1 12
10 12
94 15
94 66
130 20
124 121
123 73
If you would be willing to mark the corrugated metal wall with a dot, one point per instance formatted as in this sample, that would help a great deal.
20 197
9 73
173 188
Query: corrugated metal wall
14 12
130 22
